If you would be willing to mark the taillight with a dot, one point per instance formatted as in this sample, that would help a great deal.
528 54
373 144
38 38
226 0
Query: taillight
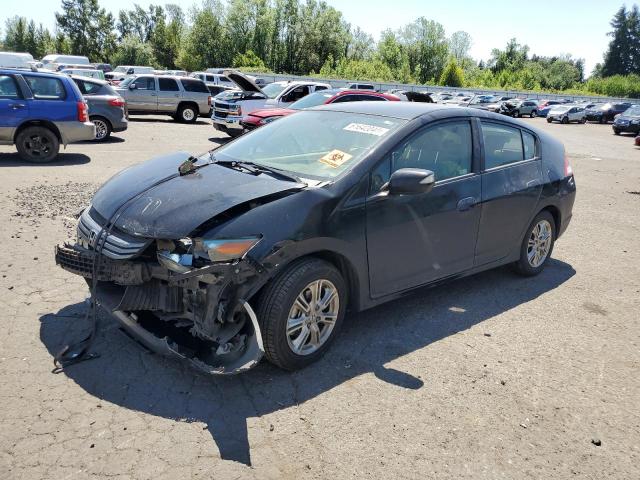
568 171
117 102
83 112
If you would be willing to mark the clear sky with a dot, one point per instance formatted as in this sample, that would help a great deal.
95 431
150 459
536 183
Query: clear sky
549 27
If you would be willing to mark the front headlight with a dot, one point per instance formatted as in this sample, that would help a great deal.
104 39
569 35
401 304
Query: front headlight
185 254
223 250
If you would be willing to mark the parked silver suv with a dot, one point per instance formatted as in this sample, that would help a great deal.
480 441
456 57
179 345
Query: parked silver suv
183 98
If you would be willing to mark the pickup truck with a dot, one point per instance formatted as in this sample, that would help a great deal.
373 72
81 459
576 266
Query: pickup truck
39 111
231 106
183 98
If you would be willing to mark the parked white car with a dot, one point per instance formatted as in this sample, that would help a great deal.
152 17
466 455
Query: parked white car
567 113
123 72
215 82
54 60
230 107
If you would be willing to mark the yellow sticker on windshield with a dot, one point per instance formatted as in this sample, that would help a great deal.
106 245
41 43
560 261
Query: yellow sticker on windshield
335 158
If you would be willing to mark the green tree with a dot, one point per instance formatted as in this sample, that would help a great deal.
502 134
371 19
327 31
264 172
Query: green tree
617 59
204 46
512 58
132 51
452 75
88 27
249 60
427 48
460 46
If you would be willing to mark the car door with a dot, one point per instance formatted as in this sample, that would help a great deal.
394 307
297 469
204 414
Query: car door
416 239
13 107
511 187
143 97
168 94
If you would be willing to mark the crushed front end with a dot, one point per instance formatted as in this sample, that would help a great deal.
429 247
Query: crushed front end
181 298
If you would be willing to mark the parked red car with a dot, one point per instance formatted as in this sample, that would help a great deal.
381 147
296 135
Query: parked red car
258 118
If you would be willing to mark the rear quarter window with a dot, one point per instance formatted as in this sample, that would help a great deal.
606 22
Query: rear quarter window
502 145
9 87
46 88
194 86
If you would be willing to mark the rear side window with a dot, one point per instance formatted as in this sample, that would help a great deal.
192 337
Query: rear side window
502 145
194 85
320 87
372 98
46 88
8 87
225 79
210 78
529 142
88 88
168 85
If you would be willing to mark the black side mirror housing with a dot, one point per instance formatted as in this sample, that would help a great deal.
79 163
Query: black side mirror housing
411 181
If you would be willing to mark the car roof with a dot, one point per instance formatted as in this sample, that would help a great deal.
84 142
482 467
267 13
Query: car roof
90 79
39 72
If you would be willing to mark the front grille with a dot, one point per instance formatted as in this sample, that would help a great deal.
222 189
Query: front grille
117 245
221 106
220 114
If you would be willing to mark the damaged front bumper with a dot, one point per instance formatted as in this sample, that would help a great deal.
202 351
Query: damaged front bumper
199 316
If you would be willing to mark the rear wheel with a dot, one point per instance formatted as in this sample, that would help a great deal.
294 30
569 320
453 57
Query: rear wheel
616 131
583 120
37 145
533 114
549 120
565 120
103 128
301 312
187 114
537 245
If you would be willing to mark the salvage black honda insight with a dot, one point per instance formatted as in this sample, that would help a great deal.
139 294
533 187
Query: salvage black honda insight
262 245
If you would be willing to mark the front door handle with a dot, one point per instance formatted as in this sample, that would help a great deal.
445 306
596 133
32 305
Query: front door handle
466 203
16 106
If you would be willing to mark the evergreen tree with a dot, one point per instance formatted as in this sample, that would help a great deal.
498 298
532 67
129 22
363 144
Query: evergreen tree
617 58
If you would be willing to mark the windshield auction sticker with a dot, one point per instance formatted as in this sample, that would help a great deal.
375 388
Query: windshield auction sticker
335 158
368 129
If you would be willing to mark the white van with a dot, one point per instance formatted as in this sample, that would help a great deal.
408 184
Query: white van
52 61
16 60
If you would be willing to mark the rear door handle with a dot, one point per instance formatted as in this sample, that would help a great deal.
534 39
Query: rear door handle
16 106
466 203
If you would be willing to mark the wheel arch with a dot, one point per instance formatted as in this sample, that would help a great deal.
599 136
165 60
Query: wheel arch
39 123
555 213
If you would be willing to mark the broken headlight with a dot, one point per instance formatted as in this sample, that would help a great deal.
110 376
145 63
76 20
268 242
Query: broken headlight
184 254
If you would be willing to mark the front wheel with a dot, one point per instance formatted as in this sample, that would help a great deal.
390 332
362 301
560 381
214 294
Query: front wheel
301 312
616 131
37 145
549 120
537 245
533 114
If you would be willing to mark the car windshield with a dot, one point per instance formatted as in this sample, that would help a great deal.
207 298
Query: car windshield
312 144
633 111
313 100
273 89
121 69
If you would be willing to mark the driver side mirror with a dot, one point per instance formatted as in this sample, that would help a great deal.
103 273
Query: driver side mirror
411 181
132 86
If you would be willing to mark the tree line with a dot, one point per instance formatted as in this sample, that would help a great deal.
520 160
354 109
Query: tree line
310 37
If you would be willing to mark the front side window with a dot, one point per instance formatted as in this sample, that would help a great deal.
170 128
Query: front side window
312 143
8 87
502 145
444 149
274 89
168 85
45 88
297 93
145 83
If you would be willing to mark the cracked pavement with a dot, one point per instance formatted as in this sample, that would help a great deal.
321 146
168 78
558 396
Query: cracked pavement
493 376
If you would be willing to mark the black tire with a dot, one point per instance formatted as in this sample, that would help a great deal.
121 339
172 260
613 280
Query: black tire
187 113
234 132
549 120
602 120
522 266
37 145
565 120
277 300
533 114
103 127
616 131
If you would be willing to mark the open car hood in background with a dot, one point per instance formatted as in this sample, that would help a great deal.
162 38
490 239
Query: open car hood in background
176 207
244 82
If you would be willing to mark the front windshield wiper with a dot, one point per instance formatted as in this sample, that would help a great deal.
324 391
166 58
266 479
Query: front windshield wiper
257 168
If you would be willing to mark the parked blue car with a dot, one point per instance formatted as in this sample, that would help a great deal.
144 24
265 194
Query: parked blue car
39 111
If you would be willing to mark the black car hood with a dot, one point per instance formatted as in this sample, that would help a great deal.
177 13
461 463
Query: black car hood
176 207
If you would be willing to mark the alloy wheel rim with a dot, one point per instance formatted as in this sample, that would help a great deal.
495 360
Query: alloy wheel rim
37 145
539 243
101 129
188 114
312 317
